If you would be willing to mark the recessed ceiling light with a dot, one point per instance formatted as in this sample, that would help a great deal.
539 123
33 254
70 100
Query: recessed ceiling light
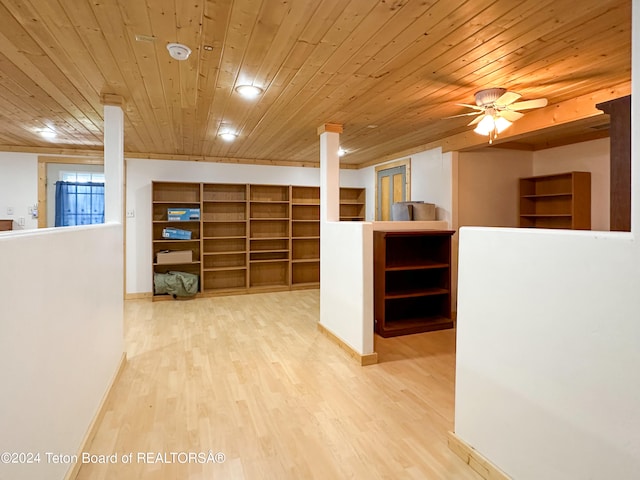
48 133
341 152
228 136
249 91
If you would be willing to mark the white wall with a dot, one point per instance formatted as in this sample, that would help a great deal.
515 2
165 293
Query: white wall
431 181
140 174
591 157
488 186
548 335
346 282
368 178
18 187
60 339
488 180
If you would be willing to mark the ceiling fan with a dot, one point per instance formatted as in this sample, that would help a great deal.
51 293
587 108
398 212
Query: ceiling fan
497 109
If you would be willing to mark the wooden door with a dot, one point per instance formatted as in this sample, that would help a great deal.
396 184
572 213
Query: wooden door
391 188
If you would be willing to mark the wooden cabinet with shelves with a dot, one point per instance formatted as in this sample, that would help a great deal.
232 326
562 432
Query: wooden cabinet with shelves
556 201
412 281
249 237
178 195
352 204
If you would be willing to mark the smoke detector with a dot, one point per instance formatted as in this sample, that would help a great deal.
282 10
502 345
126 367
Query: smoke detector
178 51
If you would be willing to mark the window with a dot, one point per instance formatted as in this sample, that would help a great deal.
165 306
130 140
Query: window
79 199
82 177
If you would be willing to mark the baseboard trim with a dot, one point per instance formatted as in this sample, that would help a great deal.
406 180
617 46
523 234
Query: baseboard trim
138 296
475 460
364 360
93 426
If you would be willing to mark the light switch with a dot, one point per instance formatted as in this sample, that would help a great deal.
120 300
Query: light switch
9 210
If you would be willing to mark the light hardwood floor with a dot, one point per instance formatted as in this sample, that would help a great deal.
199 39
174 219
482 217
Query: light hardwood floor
252 377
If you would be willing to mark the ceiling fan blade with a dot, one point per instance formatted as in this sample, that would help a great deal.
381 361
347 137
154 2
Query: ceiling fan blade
537 103
475 121
511 116
507 98
464 114
475 107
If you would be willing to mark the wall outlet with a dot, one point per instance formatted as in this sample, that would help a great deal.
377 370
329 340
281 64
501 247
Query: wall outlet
131 213
21 221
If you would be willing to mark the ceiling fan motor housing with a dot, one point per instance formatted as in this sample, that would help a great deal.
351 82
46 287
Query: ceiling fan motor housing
489 96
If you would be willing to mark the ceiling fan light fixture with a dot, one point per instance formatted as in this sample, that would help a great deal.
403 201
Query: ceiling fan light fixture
496 109
491 125
178 51
502 124
249 91
486 125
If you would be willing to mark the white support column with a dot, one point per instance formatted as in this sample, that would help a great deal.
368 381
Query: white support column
329 172
346 261
113 158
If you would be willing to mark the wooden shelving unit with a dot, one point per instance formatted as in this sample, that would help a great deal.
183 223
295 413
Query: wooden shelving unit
224 247
269 236
249 237
412 281
305 237
352 204
167 195
556 201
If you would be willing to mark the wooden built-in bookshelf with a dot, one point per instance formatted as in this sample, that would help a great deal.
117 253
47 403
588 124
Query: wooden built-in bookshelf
305 237
269 236
224 237
556 201
175 195
249 237
352 204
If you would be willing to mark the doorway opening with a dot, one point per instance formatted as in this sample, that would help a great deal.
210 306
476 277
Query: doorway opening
393 184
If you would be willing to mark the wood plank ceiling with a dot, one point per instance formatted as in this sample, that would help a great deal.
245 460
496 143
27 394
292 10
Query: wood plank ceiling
390 71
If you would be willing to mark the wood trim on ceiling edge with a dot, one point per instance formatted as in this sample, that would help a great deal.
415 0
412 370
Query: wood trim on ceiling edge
229 160
52 152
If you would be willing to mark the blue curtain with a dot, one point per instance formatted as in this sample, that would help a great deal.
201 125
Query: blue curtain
79 203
